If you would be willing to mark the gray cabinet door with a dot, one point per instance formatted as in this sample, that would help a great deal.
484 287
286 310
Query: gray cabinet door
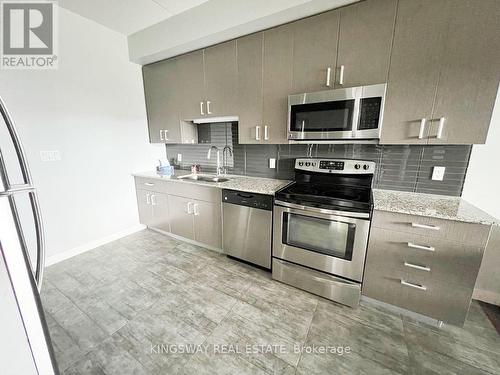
181 217
315 52
250 90
160 89
277 83
365 40
414 70
470 73
144 207
191 85
160 219
221 79
208 223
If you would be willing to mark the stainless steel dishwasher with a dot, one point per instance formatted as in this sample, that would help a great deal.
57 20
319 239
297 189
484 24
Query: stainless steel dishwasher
247 226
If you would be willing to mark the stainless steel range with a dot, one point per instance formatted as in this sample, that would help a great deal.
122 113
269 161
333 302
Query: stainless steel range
321 226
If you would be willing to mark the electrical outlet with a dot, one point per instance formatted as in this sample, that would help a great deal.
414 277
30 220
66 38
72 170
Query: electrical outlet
272 163
438 173
50 155
179 158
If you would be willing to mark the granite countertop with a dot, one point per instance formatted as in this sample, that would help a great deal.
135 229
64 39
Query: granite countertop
438 206
257 185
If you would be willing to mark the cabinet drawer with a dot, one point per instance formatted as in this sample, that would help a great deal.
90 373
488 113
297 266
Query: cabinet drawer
192 191
151 184
449 303
476 234
404 255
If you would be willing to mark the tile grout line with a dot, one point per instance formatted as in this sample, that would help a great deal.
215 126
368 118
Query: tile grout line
307 335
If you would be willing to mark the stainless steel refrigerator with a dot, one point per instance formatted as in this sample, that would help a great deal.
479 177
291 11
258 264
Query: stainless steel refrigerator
25 346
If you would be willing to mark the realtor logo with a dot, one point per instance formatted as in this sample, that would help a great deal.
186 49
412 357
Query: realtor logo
28 35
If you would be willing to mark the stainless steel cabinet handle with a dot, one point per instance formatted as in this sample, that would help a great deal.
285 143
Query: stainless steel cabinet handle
416 286
166 134
257 133
148 198
341 75
266 133
439 134
161 135
424 226
153 200
422 128
196 210
201 109
189 208
328 76
417 267
421 247
149 184
208 108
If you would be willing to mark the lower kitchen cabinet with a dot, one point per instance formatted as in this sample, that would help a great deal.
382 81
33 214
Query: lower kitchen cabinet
421 267
181 216
207 223
153 209
186 210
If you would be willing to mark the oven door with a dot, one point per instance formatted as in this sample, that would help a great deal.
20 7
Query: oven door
325 242
323 115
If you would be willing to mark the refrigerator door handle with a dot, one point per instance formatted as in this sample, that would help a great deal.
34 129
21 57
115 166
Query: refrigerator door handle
40 240
27 187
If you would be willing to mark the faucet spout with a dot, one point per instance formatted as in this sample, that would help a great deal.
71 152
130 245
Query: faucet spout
219 168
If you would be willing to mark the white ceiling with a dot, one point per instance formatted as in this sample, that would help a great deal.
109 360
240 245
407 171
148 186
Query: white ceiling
128 16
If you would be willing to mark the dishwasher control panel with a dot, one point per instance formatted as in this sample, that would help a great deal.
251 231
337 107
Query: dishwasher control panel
242 198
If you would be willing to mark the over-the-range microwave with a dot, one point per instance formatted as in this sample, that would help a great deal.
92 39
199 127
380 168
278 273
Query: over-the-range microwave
337 115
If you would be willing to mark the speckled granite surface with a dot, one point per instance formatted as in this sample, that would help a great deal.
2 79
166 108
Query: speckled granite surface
257 185
438 206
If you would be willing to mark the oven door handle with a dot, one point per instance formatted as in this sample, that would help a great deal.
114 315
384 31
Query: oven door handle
360 215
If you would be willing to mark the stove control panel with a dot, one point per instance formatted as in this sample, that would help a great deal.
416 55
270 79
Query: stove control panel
331 164
339 166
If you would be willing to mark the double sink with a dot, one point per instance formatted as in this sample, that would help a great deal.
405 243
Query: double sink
203 178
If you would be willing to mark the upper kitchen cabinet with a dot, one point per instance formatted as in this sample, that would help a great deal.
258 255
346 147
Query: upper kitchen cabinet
221 80
250 84
277 83
468 81
414 70
160 88
365 40
190 94
315 52
444 75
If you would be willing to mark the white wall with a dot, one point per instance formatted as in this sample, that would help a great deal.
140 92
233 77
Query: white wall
481 189
483 180
92 110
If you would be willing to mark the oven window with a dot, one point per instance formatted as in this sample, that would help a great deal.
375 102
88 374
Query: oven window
330 237
322 117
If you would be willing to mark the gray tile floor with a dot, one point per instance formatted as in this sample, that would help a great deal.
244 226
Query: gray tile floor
120 308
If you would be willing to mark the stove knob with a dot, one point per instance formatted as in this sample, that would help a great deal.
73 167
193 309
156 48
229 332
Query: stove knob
357 166
366 167
313 164
301 164
308 164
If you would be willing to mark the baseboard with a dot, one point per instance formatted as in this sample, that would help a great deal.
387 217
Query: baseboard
56 258
192 242
486 296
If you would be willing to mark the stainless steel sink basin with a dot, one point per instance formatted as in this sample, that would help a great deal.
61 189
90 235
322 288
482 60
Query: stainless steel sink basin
204 178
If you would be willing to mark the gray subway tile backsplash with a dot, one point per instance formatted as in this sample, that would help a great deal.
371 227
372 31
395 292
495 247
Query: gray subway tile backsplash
399 167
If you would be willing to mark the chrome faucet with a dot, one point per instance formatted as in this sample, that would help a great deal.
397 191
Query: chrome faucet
224 157
219 167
